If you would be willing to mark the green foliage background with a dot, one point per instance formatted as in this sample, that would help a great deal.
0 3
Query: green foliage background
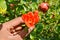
48 27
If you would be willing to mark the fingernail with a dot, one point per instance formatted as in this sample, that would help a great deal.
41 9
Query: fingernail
18 29
14 33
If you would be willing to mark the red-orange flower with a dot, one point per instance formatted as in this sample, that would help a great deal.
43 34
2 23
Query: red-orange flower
36 16
30 19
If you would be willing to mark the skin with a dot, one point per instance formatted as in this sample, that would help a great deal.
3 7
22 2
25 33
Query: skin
5 33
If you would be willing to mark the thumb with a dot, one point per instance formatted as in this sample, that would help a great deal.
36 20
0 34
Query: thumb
14 22
24 34
30 29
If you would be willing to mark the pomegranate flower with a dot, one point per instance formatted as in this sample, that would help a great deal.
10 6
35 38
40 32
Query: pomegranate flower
30 18
36 16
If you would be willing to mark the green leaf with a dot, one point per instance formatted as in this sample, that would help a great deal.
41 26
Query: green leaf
10 0
3 4
58 28
31 36
39 27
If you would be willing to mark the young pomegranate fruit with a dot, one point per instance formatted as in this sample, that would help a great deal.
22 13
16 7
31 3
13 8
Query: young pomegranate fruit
44 6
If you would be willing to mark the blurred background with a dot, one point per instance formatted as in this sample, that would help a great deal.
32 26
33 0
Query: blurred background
48 28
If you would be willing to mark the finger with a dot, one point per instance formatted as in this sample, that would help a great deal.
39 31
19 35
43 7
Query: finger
18 28
24 33
12 30
29 30
16 37
15 33
14 22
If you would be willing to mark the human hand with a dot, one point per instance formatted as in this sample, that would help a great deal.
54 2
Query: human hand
8 32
